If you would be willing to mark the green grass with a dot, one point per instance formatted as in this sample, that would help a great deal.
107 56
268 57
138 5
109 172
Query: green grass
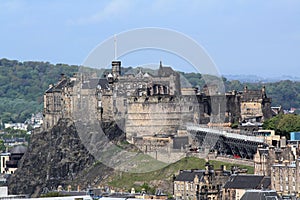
128 180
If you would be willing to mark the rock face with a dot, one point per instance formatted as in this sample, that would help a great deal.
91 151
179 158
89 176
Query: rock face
56 157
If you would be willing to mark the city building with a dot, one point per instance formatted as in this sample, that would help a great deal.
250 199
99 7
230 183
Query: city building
9 161
281 163
238 184
200 184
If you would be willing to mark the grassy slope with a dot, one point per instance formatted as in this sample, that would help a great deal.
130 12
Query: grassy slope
129 180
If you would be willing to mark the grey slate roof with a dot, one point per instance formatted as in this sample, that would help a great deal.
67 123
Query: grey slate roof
260 195
103 83
165 71
58 87
189 175
243 181
94 82
179 142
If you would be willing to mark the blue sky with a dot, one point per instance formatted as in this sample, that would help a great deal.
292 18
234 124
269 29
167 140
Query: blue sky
242 37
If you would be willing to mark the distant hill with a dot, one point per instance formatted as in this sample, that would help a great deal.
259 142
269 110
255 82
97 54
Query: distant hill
255 79
22 85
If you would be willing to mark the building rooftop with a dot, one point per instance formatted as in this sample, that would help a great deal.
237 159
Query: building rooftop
58 87
245 181
189 175
260 195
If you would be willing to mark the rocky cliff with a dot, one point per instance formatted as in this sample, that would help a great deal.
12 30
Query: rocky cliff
56 157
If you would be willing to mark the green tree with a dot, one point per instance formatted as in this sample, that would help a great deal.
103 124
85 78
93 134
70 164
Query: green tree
2 146
283 124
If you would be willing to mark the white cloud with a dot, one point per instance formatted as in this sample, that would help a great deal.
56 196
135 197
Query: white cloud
114 9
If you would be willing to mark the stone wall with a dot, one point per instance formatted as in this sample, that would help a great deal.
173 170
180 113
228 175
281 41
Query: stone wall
159 115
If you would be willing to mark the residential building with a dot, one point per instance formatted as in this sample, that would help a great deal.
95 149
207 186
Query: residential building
9 161
200 184
238 184
281 163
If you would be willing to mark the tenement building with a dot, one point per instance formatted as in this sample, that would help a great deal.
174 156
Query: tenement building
200 184
149 103
238 184
282 164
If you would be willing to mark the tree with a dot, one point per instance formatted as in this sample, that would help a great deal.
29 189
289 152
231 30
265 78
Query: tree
283 124
2 146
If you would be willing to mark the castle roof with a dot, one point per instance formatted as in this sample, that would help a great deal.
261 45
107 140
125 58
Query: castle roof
165 71
90 83
94 82
59 86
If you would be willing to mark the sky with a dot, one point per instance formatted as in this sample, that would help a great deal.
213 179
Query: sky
241 37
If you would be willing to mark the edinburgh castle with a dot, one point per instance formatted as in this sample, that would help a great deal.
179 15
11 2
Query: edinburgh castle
148 104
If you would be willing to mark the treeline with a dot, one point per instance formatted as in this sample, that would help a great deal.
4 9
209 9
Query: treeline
284 93
283 124
22 85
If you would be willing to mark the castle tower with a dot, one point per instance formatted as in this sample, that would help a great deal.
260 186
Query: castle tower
116 69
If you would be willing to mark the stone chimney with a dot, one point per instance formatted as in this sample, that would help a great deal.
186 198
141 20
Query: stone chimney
283 142
116 69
